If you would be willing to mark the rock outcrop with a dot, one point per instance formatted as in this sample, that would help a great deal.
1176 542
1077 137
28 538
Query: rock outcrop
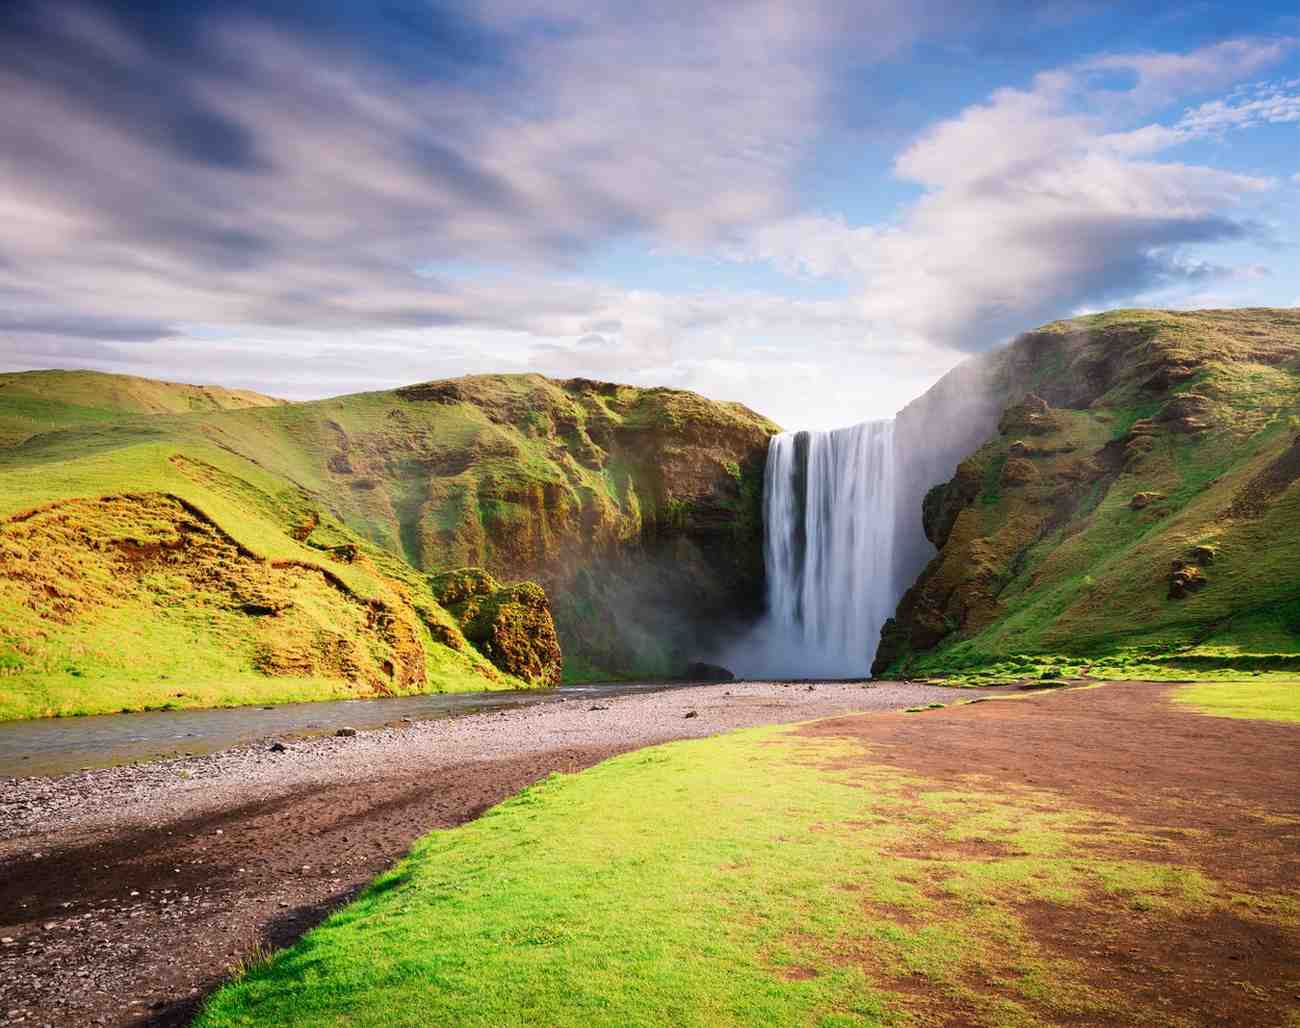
638 511
510 625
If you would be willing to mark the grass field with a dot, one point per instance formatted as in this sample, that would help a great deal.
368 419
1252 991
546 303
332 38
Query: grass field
754 879
1265 701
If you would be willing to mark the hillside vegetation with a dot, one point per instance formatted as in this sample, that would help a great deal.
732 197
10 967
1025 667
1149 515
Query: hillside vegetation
1136 512
168 545
38 401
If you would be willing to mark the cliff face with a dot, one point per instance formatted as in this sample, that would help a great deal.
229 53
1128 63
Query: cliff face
1135 499
638 510
178 532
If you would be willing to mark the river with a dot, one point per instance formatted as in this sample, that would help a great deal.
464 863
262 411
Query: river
53 746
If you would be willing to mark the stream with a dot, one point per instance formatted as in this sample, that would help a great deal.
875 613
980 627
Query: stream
53 746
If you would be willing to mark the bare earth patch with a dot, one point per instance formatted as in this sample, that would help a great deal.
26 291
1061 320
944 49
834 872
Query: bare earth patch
1218 795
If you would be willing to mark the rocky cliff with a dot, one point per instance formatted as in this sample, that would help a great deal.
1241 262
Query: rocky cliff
186 532
637 510
1135 499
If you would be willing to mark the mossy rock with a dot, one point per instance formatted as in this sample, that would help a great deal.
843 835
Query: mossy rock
1184 579
1018 471
511 625
1142 500
461 585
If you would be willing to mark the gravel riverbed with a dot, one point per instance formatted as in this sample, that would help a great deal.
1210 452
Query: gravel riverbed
128 893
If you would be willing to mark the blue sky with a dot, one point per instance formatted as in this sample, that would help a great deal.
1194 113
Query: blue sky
813 208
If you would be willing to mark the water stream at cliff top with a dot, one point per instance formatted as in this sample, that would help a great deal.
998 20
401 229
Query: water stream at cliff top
829 510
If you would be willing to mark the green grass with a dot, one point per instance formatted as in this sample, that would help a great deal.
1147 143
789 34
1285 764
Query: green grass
1258 700
176 637
750 879
66 695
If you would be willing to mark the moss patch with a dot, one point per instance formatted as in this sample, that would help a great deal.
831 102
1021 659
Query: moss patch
1267 701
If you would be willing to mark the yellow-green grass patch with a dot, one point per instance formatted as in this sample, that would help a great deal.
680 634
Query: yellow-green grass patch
1260 700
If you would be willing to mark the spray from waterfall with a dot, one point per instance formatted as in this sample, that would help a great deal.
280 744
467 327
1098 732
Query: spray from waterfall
829 509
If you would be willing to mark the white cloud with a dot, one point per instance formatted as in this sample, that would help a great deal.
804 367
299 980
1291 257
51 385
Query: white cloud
1162 78
1037 202
1269 105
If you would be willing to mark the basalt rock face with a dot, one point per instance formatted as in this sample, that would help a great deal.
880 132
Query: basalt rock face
638 511
1088 474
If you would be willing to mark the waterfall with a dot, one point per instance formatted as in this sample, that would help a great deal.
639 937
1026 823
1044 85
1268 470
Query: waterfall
829 511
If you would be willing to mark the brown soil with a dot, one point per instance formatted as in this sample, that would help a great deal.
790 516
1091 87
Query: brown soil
1218 794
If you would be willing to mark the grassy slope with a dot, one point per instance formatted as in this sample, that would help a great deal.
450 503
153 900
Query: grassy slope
793 892
530 478
165 644
1060 572
37 401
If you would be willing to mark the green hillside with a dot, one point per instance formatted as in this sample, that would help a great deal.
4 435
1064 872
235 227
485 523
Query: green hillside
179 545
37 401
1138 511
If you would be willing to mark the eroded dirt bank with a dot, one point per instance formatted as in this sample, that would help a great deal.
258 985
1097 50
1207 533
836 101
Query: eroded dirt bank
127 893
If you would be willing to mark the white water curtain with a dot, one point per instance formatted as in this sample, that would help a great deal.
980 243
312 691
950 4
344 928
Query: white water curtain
828 509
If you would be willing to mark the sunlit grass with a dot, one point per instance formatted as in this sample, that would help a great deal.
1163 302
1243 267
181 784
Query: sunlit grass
752 879
1264 700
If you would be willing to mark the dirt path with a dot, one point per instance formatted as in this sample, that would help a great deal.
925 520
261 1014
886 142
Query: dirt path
127 894
1216 794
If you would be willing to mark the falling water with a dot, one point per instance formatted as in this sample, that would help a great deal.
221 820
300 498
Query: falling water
829 515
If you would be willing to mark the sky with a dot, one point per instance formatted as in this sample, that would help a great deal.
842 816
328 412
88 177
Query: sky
815 208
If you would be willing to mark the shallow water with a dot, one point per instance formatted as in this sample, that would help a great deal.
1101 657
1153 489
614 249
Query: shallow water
52 746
